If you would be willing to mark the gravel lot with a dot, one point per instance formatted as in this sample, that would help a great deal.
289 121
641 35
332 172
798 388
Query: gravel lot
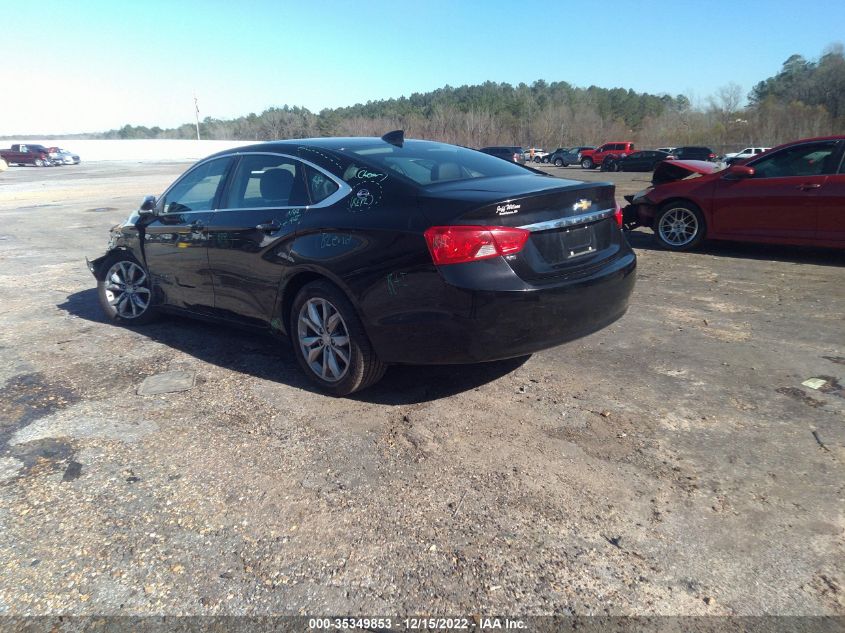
671 464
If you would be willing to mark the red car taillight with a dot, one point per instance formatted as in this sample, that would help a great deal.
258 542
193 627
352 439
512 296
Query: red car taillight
618 215
458 244
712 155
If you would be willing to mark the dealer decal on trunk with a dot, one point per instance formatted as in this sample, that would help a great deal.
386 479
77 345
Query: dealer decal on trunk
507 209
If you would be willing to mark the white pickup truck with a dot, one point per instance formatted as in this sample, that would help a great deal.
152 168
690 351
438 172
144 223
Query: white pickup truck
748 152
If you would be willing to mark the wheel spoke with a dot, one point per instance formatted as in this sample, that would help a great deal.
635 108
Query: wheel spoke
314 316
121 305
309 341
333 367
340 341
332 322
314 353
342 355
307 322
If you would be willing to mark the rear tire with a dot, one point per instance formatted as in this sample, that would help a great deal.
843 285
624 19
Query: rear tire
680 226
609 164
330 343
587 163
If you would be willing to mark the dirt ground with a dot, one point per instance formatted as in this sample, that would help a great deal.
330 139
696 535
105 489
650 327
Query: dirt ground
671 464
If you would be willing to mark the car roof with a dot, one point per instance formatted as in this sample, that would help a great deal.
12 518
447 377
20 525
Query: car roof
335 143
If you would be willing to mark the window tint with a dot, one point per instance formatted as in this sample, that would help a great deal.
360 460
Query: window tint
197 189
811 159
425 162
267 180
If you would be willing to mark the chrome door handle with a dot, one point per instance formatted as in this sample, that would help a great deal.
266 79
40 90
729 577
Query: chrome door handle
269 227
807 186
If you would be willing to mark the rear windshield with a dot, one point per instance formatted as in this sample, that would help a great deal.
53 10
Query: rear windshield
425 162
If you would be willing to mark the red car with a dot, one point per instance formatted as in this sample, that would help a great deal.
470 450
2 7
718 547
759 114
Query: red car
592 158
792 194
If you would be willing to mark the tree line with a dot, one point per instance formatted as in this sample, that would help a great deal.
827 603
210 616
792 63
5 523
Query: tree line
805 98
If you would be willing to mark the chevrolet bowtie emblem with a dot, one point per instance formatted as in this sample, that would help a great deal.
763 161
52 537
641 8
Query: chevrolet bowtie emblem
582 205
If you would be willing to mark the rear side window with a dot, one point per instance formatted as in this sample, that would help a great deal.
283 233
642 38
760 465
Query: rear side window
320 186
426 162
268 180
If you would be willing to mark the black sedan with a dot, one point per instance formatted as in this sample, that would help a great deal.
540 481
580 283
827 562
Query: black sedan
645 160
370 251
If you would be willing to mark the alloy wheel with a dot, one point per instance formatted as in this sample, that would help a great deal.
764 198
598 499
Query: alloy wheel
324 339
127 289
678 226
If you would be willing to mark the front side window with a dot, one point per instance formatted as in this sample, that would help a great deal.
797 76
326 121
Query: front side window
811 159
267 180
198 188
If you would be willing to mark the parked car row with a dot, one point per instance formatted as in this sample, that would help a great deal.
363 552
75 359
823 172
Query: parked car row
616 156
37 155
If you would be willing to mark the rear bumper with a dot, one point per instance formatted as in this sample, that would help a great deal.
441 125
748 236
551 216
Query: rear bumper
486 325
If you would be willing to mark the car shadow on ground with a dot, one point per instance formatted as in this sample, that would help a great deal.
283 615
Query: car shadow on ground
271 358
643 239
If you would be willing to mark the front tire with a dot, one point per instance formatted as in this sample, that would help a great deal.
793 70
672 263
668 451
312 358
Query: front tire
125 291
558 162
330 343
680 226
587 163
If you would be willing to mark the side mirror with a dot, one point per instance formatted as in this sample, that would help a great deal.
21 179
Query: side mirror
147 206
735 172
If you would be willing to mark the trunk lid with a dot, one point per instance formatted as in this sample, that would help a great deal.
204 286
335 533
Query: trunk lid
572 224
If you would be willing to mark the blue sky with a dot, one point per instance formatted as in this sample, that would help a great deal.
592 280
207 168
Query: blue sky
92 65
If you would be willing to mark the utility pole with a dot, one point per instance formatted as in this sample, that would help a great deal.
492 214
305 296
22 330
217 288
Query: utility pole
197 114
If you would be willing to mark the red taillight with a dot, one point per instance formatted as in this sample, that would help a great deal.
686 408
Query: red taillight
458 244
618 215
712 155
